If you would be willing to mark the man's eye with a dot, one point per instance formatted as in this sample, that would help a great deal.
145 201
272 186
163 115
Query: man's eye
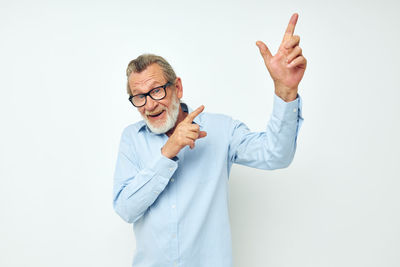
156 91
140 96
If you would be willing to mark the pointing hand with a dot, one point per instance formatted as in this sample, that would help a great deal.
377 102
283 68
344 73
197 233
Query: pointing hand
185 134
288 65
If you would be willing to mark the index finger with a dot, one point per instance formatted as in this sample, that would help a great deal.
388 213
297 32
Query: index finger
290 28
191 116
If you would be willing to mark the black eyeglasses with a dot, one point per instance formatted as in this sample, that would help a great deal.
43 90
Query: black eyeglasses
157 93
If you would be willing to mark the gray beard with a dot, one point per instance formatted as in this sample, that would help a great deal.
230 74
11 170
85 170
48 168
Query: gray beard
172 117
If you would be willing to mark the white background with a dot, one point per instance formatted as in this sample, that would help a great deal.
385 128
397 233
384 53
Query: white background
63 106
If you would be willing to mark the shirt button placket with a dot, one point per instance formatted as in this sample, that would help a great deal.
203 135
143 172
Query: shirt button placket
174 233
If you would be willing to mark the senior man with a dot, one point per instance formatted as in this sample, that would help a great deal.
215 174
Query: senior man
171 177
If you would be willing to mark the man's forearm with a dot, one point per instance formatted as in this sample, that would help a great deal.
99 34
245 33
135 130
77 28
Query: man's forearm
133 196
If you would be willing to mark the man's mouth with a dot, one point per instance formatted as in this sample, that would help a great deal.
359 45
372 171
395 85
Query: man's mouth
156 115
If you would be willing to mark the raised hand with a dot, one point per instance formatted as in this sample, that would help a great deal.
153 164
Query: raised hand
185 134
287 66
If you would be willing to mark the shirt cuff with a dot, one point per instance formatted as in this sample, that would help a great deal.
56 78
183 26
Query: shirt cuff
287 110
164 167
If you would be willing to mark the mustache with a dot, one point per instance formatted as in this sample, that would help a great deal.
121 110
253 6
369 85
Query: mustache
147 113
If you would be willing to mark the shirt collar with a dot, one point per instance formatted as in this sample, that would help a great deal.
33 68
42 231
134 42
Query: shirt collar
185 108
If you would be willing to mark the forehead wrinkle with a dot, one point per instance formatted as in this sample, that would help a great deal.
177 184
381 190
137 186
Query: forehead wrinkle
146 84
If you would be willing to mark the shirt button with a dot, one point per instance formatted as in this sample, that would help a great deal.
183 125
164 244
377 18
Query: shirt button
174 236
295 110
172 179
171 169
173 206
175 263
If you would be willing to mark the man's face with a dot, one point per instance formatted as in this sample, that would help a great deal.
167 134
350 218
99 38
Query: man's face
159 115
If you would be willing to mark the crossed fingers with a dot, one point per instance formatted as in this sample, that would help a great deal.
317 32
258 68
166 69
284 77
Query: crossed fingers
194 132
185 134
290 28
188 132
290 45
190 117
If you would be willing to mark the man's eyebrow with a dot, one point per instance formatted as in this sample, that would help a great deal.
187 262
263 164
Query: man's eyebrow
152 85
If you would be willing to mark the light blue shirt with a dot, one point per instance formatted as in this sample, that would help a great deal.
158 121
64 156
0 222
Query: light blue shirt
179 208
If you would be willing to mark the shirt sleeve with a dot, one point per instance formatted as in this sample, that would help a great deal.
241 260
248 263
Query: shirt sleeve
274 148
135 189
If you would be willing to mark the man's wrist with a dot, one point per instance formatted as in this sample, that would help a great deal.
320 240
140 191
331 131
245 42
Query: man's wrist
166 153
285 93
287 97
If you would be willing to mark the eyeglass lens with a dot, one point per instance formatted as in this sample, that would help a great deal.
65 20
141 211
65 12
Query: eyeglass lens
156 94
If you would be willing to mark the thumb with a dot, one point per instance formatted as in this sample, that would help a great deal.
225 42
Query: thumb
202 134
264 51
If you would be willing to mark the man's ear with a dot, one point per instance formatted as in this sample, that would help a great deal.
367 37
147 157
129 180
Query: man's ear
178 87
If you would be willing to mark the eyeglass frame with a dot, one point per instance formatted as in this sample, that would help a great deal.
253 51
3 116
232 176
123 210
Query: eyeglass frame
164 87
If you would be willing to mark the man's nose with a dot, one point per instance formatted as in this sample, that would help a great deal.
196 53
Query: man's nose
150 103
